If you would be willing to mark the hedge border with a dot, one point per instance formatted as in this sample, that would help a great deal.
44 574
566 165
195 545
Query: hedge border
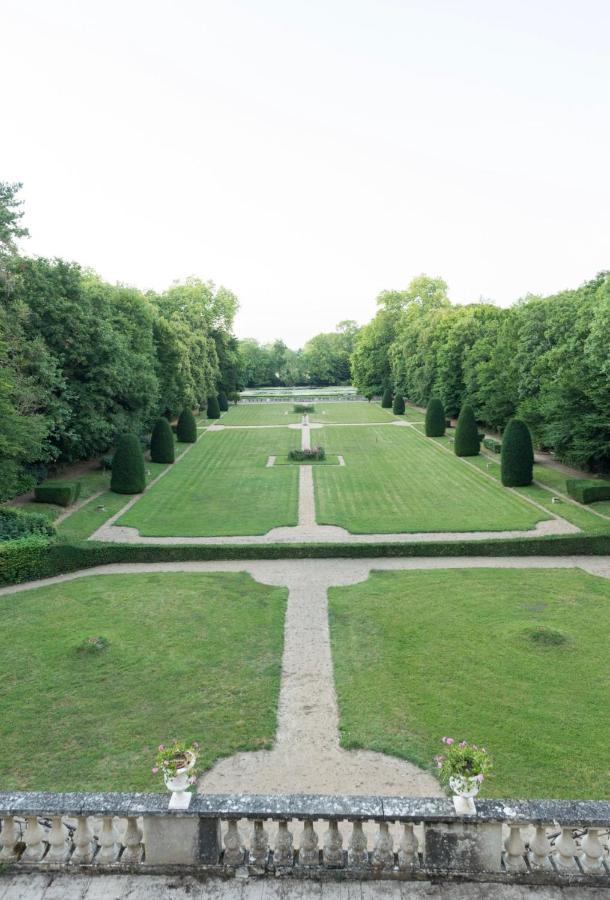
29 559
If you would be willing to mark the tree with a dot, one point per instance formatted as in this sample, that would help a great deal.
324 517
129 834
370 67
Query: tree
386 399
517 459
466 433
223 402
435 418
162 442
398 405
10 217
128 474
186 429
213 407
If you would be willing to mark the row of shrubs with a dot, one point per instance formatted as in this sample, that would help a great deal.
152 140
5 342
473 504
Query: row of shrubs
304 408
15 524
310 453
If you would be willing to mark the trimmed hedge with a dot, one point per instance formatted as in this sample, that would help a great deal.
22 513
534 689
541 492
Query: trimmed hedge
37 557
492 444
62 493
311 453
213 407
303 408
186 429
398 405
162 442
128 474
517 461
466 433
386 400
223 401
15 524
587 491
435 418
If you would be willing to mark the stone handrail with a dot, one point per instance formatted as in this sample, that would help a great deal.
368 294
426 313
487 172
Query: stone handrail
541 841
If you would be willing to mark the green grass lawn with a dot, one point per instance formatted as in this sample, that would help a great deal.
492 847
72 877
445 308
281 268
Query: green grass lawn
261 414
351 411
514 660
222 487
394 481
327 461
190 656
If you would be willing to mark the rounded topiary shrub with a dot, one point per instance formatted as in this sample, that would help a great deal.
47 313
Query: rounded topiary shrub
162 442
398 406
223 401
186 429
517 459
466 433
128 476
213 410
386 400
435 418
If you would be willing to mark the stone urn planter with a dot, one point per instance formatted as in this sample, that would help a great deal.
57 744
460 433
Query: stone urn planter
179 782
465 790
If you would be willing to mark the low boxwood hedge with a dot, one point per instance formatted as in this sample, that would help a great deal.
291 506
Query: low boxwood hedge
492 444
62 493
16 524
587 491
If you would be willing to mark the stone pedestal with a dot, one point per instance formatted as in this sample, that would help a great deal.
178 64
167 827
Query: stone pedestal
463 846
181 840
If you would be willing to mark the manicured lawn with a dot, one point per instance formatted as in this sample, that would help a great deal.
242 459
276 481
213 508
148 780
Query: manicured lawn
190 656
327 461
261 414
395 481
351 411
222 487
514 660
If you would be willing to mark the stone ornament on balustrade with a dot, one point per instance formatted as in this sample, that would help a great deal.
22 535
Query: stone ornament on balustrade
314 836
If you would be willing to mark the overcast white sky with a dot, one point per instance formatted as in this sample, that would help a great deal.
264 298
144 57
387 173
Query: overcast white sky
310 153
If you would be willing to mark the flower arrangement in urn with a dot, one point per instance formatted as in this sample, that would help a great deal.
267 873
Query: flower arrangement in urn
176 762
463 768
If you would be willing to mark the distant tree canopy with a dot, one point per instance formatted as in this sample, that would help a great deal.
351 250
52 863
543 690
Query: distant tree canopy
545 360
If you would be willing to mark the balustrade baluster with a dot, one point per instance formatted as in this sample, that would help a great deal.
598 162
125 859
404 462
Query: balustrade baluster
383 854
283 854
132 841
234 852
566 850
540 849
59 846
332 853
34 840
357 854
308 851
9 836
109 845
592 851
407 851
84 845
515 849
259 849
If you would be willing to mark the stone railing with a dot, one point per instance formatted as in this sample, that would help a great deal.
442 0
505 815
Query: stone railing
311 836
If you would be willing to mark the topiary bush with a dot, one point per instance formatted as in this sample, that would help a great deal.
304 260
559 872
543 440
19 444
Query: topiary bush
386 399
15 524
435 418
398 406
223 401
587 491
517 459
213 408
162 442
186 429
62 493
466 433
128 476
303 408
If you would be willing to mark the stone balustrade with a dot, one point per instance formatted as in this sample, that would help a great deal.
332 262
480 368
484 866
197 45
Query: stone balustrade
312 836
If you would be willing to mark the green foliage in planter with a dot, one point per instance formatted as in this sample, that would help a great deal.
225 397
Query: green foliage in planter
435 418
398 406
223 401
128 474
466 433
386 400
62 493
213 409
517 460
15 524
304 408
587 490
304 455
162 442
492 444
186 429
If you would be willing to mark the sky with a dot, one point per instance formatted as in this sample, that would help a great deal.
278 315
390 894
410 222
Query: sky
308 154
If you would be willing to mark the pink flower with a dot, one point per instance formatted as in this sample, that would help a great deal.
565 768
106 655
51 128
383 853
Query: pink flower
463 744
480 777
448 740
155 769
161 746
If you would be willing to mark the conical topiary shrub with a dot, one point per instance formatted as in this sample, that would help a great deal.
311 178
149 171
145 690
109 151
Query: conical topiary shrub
213 410
517 460
162 442
223 402
435 418
398 406
186 430
128 476
386 400
466 433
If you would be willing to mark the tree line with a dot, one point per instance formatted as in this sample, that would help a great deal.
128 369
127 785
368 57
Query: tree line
544 359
